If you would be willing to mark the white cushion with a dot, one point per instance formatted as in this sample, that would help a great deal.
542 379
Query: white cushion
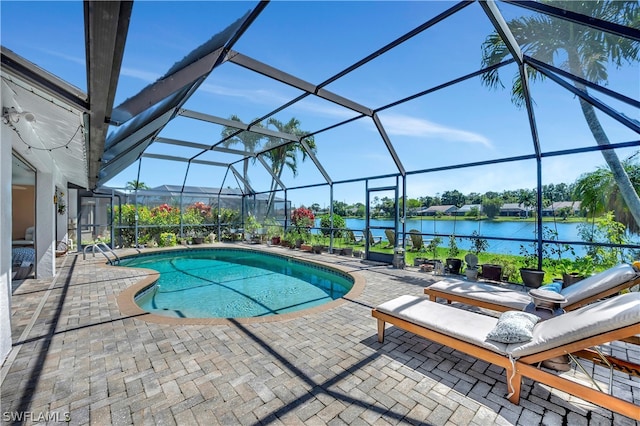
463 325
513 299
591 320
599 282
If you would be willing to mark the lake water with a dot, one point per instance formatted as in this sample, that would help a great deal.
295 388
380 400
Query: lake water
486 228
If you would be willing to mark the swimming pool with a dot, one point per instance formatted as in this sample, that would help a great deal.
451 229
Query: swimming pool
235 283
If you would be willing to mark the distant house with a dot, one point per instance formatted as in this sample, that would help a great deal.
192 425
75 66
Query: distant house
462 211
447 210
574 207
515 209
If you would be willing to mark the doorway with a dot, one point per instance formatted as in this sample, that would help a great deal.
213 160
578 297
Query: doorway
381 225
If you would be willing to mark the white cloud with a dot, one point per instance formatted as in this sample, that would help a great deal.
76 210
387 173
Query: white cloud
262 96
147 76
69 58
417 127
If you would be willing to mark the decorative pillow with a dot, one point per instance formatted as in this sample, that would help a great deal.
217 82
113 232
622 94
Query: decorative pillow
513 327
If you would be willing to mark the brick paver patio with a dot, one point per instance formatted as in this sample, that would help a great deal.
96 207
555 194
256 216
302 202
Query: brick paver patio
75 352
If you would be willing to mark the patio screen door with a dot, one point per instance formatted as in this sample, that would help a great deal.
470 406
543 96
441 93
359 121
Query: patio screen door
381 216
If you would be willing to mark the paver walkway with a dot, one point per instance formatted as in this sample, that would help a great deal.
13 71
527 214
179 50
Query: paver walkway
80 357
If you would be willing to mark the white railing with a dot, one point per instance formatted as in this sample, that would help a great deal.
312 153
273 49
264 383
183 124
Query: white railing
107 249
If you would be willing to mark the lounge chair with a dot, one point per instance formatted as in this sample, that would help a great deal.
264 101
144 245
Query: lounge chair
602 322
353 237
416 240
374 240
489 296
391 237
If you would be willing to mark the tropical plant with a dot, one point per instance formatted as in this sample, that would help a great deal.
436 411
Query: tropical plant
527 198
284 153
274 229
478 244
453 246
432 247
302 220
249 141
491 207
599 193
605 230
338 224
251 224
585 52
167 239
135 184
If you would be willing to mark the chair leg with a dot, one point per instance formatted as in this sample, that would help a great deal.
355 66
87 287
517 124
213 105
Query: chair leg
381 330
514 384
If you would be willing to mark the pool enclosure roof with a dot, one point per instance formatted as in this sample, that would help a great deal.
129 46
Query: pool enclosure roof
204 128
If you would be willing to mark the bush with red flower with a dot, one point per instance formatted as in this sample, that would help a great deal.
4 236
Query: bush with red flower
302 218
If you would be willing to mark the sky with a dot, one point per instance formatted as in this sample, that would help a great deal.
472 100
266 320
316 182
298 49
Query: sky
315 41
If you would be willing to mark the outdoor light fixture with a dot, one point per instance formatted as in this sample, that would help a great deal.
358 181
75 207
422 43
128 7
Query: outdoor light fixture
10 115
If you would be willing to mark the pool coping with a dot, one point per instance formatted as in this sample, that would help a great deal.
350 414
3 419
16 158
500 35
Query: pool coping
128 307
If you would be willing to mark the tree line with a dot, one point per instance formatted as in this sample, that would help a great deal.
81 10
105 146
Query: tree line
597 192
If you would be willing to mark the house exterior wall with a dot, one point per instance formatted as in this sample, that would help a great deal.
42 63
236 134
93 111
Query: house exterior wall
5 242
45 226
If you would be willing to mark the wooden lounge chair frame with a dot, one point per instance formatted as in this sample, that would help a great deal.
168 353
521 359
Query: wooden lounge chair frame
526 366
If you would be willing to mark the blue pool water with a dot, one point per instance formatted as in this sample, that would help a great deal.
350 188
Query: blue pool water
234 283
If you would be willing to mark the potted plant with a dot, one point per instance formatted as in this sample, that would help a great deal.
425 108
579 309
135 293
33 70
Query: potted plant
574 271
432 248
347 251
302 220
251 226
453 263
531 276
316 244
417 261
471 271
290 238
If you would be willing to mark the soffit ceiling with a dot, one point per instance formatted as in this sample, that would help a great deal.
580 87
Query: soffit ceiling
70 127
56 139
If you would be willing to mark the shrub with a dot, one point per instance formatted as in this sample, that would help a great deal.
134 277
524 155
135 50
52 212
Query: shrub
167 239
302 218
338 222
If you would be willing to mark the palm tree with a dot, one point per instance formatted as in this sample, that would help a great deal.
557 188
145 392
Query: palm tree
599 194
135 184
285 155
527 198
585 53
247 139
